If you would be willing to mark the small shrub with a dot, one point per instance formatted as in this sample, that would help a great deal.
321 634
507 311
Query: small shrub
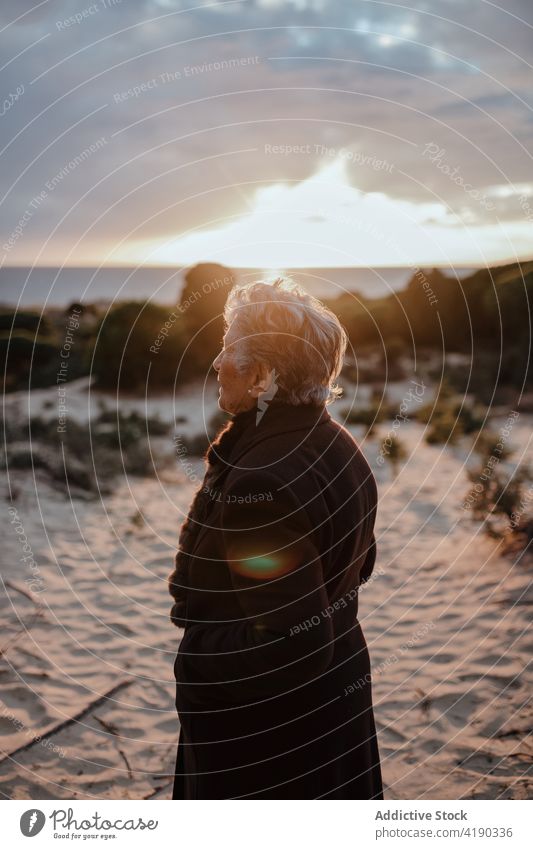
87 456
493 494
449 417
375 413
394 451
488 443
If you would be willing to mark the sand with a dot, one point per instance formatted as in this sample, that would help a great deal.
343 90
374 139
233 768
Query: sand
446 618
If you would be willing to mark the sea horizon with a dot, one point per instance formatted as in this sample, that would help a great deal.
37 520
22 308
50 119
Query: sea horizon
55 286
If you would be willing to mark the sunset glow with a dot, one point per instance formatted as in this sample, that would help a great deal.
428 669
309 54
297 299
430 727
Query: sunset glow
325 221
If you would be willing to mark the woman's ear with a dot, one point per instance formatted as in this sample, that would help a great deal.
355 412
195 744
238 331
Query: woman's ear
263 379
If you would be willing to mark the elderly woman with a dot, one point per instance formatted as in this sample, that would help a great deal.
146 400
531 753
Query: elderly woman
272 675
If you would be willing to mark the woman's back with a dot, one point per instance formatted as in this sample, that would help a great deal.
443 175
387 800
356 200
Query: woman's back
275 674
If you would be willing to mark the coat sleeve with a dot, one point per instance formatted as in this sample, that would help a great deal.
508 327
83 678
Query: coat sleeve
370 561
284 637
177 586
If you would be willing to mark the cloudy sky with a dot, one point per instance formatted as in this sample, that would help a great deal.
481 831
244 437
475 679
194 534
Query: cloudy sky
266 133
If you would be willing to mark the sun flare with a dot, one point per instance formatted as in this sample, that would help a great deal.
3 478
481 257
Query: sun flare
325 221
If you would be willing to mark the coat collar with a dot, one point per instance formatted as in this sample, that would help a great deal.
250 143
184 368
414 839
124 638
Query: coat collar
244 431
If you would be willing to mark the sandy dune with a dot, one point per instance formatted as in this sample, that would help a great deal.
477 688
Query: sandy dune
445 616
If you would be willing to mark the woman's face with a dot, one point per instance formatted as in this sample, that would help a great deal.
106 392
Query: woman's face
233 395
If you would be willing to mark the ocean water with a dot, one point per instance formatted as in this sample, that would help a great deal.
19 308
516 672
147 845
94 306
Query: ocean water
59 287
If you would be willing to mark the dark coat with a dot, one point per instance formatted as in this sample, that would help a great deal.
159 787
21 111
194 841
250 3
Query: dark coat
273 684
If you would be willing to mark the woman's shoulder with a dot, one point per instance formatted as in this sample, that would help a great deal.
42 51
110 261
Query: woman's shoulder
282 458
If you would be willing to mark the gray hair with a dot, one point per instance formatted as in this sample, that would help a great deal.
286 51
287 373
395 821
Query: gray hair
282 325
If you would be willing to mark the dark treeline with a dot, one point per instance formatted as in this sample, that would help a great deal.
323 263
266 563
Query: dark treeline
134 345
486 316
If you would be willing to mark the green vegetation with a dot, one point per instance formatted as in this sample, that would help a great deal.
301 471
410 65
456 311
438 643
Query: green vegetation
136 345
82 456
377 410
201 309
500 497
371 415
495 494
485 316
449 417
393 451
197 445
490 444
34 346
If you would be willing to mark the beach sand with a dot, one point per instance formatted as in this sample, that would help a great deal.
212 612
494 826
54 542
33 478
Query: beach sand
89 646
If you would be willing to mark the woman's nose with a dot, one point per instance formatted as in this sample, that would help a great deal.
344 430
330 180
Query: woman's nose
216 364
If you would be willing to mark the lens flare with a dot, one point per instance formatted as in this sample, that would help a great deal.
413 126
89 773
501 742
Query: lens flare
262 566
